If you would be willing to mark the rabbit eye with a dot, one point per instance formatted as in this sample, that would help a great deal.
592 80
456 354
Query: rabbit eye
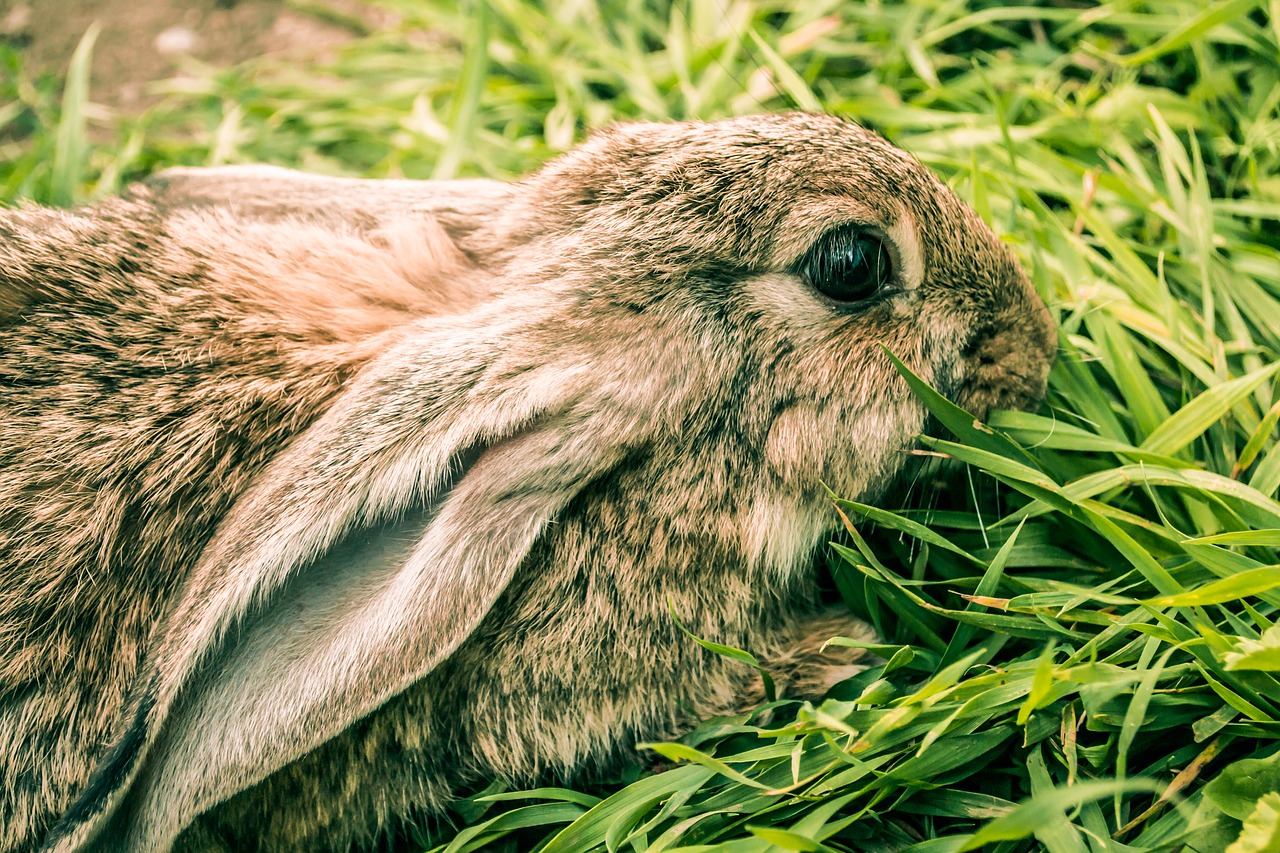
846 264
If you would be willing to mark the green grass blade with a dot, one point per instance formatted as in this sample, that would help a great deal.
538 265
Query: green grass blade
69 146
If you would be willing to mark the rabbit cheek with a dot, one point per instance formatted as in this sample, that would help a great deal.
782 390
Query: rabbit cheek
792 442
850 449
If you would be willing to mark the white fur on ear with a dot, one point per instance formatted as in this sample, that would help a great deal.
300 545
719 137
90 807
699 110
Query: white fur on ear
364 556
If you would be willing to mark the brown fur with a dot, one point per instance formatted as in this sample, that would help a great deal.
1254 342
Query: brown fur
601 391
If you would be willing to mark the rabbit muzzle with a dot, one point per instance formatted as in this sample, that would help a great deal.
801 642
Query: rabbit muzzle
1007 363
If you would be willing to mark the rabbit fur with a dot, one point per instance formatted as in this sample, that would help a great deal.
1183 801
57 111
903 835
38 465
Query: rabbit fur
320 499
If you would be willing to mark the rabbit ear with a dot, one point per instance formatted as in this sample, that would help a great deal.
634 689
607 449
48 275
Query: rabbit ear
272 193
365 555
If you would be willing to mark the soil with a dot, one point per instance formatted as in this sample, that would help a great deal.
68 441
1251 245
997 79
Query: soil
142 41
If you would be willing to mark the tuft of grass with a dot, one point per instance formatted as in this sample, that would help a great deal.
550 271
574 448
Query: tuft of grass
66 171
1086 632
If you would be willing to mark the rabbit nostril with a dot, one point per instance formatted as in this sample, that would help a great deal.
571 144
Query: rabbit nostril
972 345
979 346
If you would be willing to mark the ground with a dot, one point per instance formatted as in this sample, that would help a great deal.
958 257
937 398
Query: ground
141 43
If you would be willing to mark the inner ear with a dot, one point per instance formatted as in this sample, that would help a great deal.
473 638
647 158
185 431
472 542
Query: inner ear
267 659
332 641
264 661
285 631
270 656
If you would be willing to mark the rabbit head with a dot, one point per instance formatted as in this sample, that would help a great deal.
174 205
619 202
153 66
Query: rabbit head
739 234
703 303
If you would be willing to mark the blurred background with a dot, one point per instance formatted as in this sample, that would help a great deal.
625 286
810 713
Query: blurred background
425 88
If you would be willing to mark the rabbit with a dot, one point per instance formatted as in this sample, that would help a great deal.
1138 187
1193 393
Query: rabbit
322 500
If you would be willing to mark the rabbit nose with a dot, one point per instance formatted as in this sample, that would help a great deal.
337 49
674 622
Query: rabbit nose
1008 361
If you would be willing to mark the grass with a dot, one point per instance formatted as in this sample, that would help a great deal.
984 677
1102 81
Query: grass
1081 646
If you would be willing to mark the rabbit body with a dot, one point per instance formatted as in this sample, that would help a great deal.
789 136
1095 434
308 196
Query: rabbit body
318 503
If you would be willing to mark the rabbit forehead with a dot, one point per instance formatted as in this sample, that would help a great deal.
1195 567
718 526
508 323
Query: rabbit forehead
818 150
735 178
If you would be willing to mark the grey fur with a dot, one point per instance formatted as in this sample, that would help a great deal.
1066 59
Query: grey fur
321 498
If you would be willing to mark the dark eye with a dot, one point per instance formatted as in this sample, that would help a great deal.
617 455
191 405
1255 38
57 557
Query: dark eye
846 264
